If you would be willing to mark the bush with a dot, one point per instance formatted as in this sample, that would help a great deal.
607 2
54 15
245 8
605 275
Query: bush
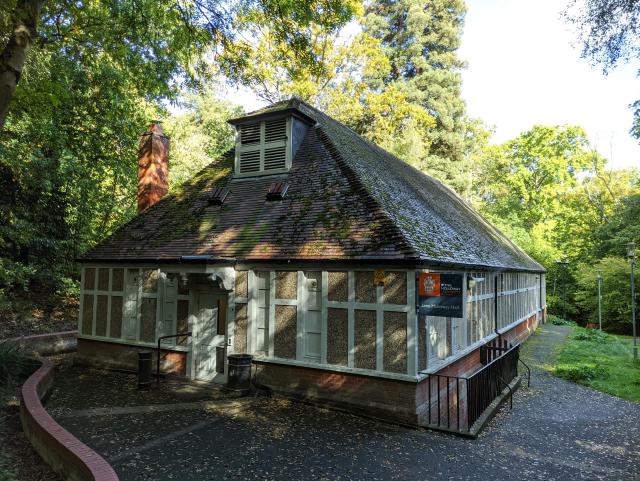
14 364
593 335
558 321
581 372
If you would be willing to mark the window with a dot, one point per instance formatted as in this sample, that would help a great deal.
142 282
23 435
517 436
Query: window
263 147
262 311
102 299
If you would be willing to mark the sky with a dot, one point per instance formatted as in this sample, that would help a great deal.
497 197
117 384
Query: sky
524 68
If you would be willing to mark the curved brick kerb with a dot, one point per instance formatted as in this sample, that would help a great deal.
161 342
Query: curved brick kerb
67 455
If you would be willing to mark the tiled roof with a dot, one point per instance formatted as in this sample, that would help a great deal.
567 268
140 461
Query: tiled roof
348 199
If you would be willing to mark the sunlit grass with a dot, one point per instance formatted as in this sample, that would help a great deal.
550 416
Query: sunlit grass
601 361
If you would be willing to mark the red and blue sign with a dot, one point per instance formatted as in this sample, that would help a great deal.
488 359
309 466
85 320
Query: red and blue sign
440 294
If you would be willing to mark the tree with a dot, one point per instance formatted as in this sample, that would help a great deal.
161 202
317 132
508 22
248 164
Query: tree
158 41
616 308
24 23
525 178
346 82
200 134
421 40
609 34
608 29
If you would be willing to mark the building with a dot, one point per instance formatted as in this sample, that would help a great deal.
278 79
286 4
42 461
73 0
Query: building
351 277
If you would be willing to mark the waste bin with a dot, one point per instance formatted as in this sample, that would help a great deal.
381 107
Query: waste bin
239 378
144 369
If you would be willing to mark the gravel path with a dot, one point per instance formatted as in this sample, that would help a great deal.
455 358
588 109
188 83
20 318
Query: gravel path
556 431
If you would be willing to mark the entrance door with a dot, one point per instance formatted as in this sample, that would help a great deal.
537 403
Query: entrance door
209 337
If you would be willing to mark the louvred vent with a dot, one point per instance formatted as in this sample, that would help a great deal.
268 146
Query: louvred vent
249 161
250 134
275 158
275 130
277 191
217 196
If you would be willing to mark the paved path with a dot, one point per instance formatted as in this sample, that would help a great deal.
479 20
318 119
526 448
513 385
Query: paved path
556 431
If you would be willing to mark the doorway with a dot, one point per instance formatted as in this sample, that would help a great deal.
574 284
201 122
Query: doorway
209 336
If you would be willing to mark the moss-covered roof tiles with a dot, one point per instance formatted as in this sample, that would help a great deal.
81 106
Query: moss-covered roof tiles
348 199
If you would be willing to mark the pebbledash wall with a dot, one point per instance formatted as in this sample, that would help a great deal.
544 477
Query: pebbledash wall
346 336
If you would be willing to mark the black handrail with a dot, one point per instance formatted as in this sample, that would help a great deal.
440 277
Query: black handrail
160 339
482 387
528 371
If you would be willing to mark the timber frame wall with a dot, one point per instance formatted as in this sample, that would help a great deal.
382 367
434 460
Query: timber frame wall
331 319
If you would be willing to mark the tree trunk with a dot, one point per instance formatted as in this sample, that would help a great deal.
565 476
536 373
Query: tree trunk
25 19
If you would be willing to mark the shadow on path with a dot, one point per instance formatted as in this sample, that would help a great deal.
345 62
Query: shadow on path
556 431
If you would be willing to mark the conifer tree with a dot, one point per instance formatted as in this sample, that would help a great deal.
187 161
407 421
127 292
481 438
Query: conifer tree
421 39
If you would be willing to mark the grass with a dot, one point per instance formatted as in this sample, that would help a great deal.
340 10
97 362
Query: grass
601 361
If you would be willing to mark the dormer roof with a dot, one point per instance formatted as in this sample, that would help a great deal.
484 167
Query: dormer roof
275 110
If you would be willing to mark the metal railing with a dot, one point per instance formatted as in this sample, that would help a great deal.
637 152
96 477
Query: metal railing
456 403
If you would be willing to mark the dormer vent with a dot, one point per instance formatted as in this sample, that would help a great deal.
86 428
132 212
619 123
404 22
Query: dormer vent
277 191
264 147
217 196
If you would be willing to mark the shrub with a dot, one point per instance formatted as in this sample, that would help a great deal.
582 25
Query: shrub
14 364
593 335
558 321
581 372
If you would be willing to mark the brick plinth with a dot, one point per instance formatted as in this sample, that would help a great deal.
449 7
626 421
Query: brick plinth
113 355
371 396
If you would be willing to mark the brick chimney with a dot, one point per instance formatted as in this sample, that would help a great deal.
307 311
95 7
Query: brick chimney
153 166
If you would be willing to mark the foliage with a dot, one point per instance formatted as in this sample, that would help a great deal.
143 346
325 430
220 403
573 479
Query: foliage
549 192
621 227
608 32
67 163
616 306
421 41
558 321
98 75
607 28
581 372
593 335
603 363
413 110
167 42
260 59
199 135
524 179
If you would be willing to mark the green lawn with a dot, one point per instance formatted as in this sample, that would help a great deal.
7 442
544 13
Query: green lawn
601 361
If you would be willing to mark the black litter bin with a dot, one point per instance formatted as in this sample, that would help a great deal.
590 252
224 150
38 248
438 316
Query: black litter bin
239 379
144 369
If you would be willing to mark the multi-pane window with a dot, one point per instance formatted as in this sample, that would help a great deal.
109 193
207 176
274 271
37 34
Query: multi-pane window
519 296
102 302
134 305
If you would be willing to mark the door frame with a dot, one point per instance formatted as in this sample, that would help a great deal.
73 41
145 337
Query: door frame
220 295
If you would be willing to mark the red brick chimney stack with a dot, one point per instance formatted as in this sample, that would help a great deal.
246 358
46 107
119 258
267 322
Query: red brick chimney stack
153 166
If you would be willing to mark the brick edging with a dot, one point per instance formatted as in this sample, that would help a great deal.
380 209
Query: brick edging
66 454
